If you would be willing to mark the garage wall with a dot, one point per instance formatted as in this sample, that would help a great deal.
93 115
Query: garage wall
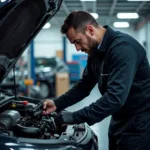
50 40
47 42
143 36
148 40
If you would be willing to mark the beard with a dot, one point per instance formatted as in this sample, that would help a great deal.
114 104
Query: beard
92 46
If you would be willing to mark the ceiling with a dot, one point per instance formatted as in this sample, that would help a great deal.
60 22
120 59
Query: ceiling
106 9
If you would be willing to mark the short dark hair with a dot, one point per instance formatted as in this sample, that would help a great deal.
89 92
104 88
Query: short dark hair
78 20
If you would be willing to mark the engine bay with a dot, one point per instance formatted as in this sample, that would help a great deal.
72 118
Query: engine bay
22 117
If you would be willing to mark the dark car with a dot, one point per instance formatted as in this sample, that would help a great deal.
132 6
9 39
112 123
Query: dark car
22 125
45 70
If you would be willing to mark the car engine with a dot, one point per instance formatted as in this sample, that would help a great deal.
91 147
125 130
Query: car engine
42 127
22 117
25 119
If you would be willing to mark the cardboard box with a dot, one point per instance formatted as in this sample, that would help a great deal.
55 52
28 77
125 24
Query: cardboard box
62 83
59 53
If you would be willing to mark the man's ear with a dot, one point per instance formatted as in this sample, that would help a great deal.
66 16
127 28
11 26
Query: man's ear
89 30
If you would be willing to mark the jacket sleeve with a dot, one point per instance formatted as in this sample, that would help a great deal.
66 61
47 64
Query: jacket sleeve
123 62
79 91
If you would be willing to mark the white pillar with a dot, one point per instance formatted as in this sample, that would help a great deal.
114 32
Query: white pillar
148 40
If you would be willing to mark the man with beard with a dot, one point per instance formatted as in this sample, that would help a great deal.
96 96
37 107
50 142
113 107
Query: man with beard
119 65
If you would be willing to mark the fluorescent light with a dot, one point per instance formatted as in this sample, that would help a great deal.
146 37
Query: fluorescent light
47 25
88 0
138 0
121 24
127 15
3 0
95 15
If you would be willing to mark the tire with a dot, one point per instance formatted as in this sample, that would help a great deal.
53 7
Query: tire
46 90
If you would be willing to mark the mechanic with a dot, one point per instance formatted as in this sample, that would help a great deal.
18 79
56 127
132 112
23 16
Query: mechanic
118 63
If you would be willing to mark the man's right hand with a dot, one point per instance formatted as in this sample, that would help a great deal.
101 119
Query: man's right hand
48 107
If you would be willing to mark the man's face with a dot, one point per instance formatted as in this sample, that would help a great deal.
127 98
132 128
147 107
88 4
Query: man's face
82 41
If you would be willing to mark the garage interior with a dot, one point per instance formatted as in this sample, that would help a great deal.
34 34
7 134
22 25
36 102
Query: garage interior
50 65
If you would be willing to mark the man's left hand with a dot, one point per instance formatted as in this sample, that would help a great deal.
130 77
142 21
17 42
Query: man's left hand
64 118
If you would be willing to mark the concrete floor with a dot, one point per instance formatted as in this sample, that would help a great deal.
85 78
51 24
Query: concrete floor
101 129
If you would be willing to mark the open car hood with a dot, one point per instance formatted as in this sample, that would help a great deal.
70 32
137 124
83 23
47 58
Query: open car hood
20 22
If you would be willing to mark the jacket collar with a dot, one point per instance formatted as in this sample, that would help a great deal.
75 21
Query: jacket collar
107 39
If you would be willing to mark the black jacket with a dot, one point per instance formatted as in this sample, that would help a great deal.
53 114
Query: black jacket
122 71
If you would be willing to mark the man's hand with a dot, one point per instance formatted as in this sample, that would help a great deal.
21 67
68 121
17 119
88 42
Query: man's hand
64 118
48 107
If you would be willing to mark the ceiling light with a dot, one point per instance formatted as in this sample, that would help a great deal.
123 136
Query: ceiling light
3 0
121 24
47 25
95 15
127 15
138 0
88 0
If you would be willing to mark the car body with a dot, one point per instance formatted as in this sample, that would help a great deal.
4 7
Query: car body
46 69
22 125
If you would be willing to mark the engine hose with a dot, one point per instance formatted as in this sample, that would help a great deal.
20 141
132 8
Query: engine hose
26 131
